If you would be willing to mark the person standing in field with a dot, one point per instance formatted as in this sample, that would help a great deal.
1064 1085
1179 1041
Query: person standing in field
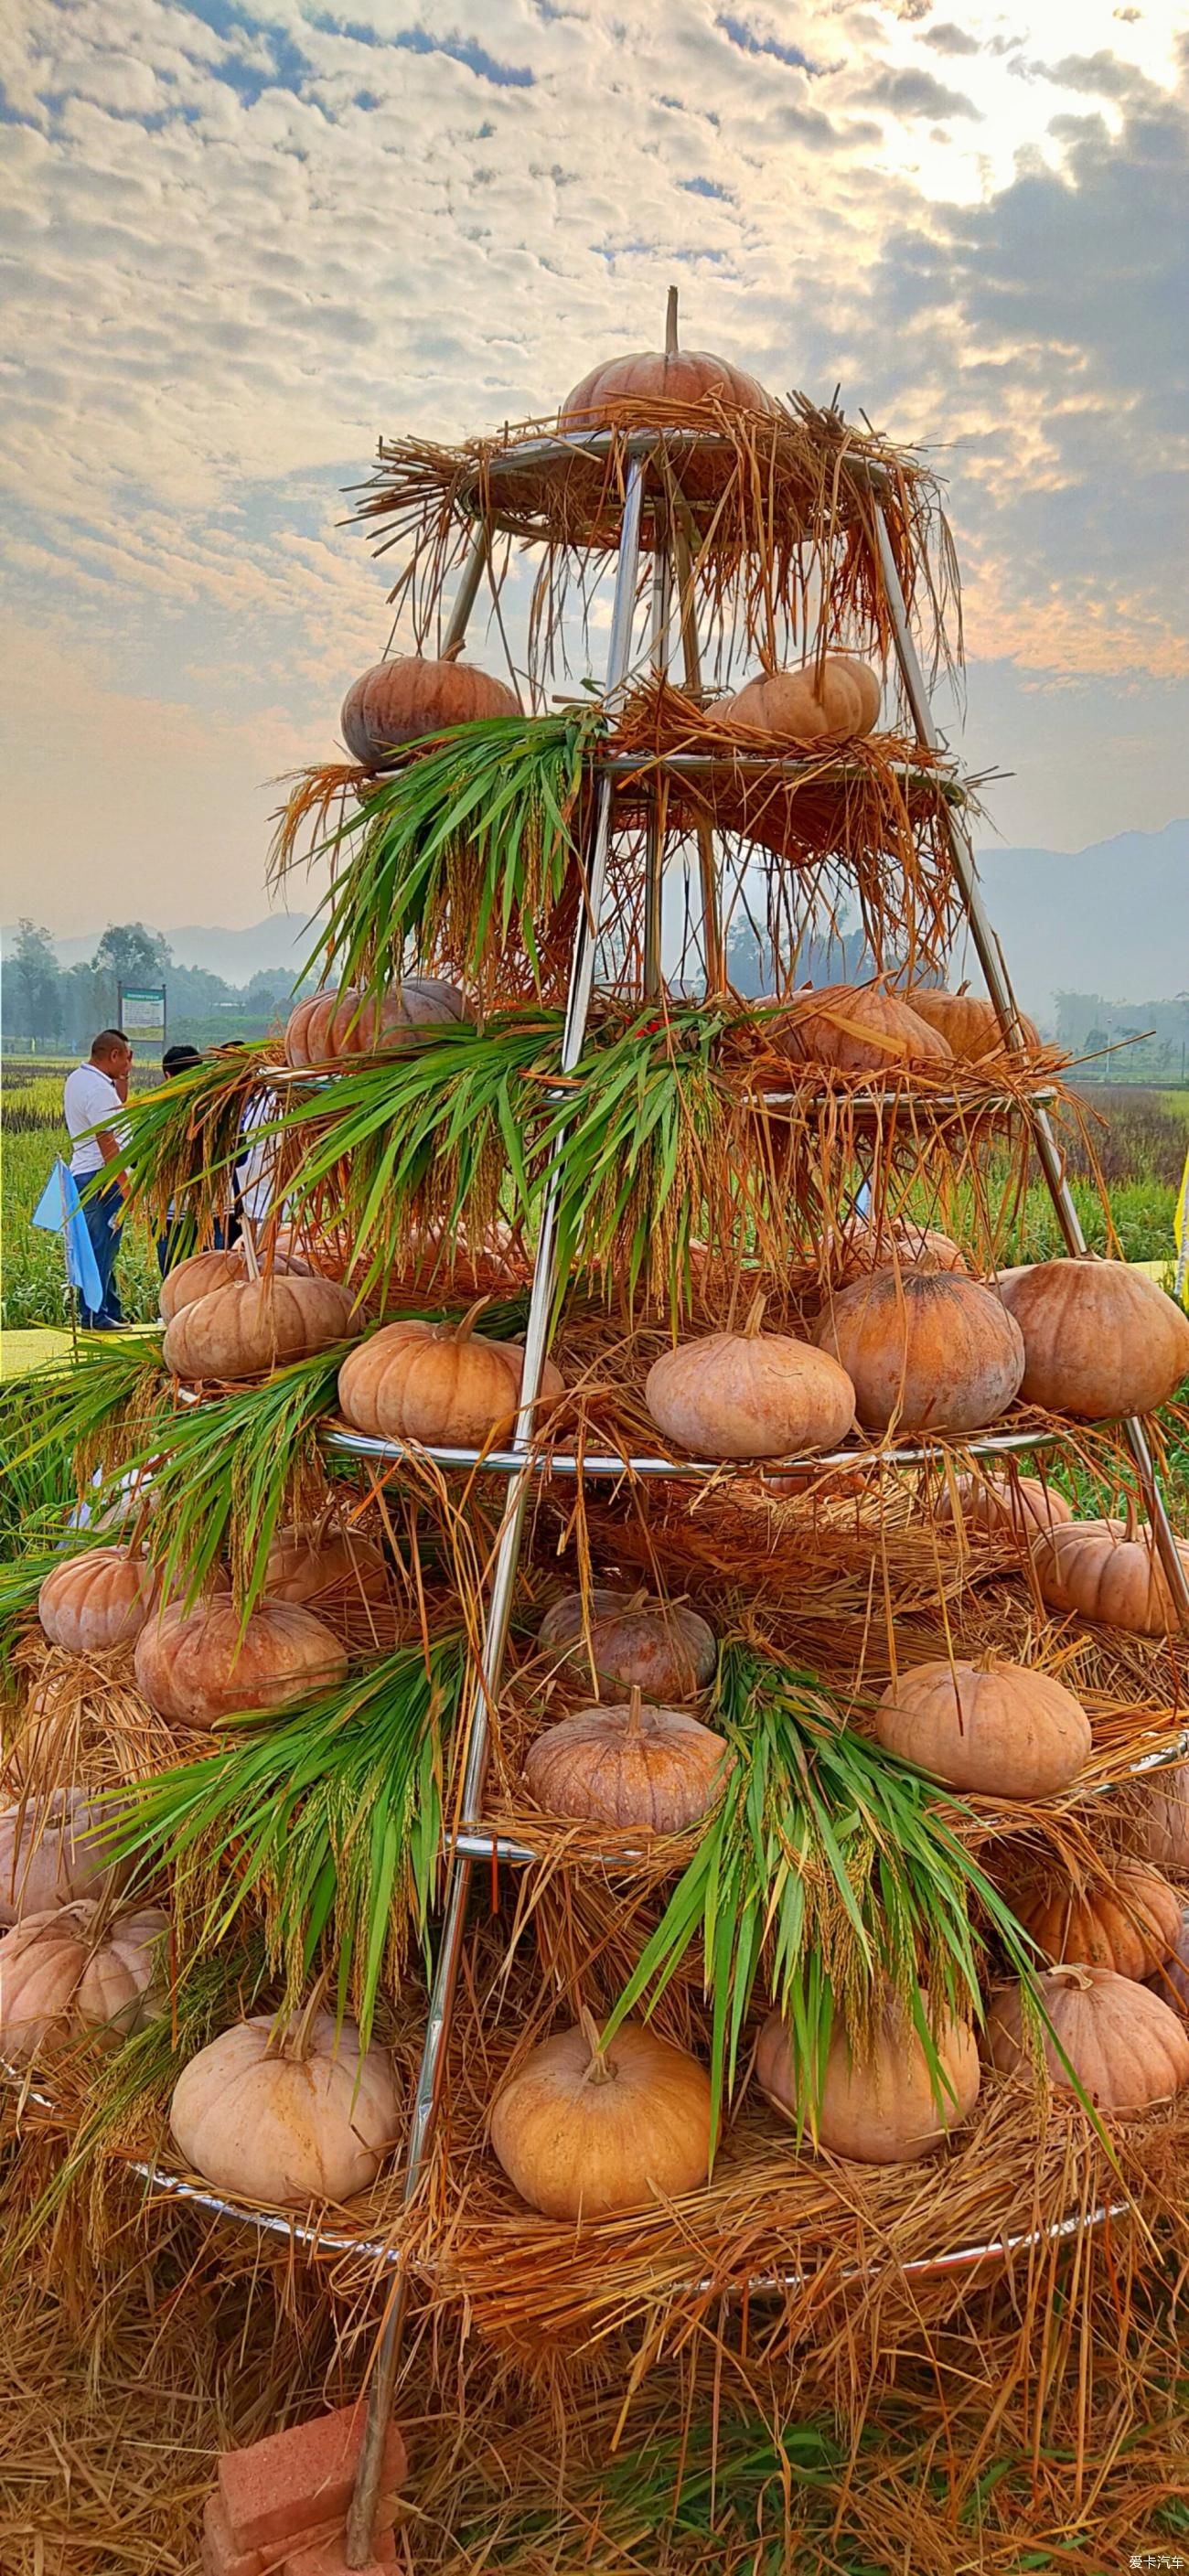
91 1099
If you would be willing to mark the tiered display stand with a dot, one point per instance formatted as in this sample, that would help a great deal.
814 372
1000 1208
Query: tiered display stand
784 534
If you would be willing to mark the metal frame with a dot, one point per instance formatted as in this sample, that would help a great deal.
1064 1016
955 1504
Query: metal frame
547 1462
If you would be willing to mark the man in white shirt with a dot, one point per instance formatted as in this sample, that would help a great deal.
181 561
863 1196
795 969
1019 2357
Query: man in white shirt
92 1098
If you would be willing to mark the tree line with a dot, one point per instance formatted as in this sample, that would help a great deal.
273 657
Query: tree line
57 1009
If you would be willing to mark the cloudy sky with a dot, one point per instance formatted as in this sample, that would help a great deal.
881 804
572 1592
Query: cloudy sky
242 237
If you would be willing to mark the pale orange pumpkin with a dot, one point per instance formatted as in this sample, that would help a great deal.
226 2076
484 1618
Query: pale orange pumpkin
340 1026
969 1025
307 1565
924 1350
410 698
998 1729
203 1272
662 1648
877 2103
655 1768
1127 2048
287 2116
1171 1979
750 1394
443 1385
838 696
74 1973
197 1667
582 2131
1100 1339
856 1028
253 1326
51 1851
1015 1505
1109 1572
1129 1924
1161 1828
619 389
99 1599
857 1249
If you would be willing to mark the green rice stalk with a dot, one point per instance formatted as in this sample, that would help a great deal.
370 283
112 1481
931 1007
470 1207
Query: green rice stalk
230 1472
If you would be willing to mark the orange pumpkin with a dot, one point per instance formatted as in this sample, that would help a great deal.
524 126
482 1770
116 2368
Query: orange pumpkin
924 1350
1126 2047
855 1028
749 1395
1161 1827
996 1728
252 1326
855 1250
1100 1339
1108 1571
877 2103
52 1851
661 1648
309 1565
582 2130
72 1974
620 389
206 1271
410 698
443 1385
1019 1505
99 1599
838 696
656 1768
197 1667
1130 1925
339 1026
969 1025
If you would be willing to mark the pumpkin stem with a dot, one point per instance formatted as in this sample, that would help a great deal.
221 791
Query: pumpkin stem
462 1332
600 2069
291 2039
251 1264
452 651
671 324
635 1705
755 1317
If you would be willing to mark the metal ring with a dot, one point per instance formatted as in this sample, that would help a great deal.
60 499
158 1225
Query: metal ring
509 1462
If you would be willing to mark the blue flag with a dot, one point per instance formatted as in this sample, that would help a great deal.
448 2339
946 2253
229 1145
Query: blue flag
58 1211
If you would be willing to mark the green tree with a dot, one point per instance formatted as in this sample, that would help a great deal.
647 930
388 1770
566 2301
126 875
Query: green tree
128 953
33 996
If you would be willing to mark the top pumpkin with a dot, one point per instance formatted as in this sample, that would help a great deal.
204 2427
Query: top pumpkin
330 1026
409 698
619 386
969 1025
854 1028
1100 1339
838 696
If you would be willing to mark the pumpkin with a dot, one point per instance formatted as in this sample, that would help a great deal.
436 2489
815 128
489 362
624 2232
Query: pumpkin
1020 1505
410 698
750 1394
838 696
338 1027
1171 1978
252 1326
996 1728
661 1648
582 2130
1161 1829
50 1854
620 388
443 1385
969 1025
855 1028
877 2106
1100 1339
287 2117
206 1271
1108 1571
73 1972
924 1350
1129 1925
1126 2047
196 1667
99 1599
652 1767
858 1249
305 1565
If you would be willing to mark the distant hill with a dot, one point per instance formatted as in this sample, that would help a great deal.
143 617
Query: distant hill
1109 919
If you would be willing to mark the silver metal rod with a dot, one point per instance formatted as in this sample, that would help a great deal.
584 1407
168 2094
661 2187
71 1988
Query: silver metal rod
712 939
466 594
512 1462
654 868
361 2519
990 958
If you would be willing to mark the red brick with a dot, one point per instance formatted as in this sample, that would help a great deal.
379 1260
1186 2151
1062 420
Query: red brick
221 2552
328 2558
291 2483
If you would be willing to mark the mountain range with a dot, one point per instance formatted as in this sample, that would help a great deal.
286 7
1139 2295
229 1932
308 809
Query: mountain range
1108 919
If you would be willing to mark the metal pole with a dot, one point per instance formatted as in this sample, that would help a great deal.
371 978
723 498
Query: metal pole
361 2519
692 659
654 864
465 597
990 958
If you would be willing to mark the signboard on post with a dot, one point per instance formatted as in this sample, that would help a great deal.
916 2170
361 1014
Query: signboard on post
142 1014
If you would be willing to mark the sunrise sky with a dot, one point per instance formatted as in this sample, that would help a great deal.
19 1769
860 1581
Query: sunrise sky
242 240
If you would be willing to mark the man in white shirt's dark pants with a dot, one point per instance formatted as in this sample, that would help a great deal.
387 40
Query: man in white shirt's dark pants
93 1097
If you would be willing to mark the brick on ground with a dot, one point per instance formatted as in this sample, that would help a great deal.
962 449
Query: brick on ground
296 2483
